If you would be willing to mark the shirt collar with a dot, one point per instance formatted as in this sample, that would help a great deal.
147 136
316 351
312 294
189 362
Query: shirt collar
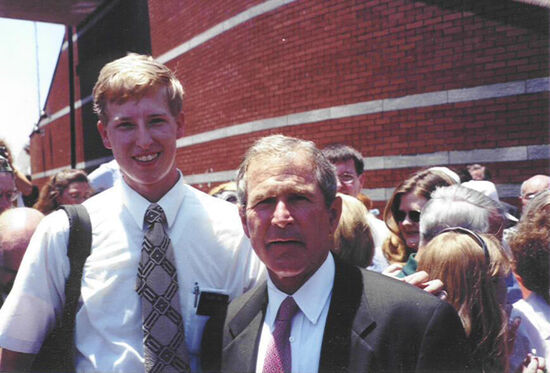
137 204
311 297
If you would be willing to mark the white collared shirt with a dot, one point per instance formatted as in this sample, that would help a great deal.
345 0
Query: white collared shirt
210 249
308 325
534 330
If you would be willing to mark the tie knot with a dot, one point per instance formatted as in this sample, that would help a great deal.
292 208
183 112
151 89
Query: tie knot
154 214
287 309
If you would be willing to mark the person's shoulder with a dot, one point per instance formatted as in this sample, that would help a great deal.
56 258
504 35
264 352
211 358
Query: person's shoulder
387 292
215 207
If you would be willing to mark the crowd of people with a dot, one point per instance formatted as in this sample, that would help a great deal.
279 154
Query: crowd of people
285 269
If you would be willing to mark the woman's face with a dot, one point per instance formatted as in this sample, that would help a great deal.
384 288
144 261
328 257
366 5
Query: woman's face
76 193
407 218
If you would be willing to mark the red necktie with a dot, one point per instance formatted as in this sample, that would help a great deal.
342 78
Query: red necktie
278 358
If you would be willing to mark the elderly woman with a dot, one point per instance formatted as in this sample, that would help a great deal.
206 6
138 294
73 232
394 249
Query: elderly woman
67 187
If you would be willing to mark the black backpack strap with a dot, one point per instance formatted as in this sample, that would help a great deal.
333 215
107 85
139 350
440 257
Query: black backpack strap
57 353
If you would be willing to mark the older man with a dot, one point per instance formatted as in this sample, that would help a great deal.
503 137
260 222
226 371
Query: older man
315 313
532 186
16 228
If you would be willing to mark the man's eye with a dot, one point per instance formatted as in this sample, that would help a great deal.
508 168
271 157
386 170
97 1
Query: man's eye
299 197
265 202
157 121
125 125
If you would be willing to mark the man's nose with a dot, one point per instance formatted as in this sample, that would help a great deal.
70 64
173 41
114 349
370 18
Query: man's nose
282 215
144 139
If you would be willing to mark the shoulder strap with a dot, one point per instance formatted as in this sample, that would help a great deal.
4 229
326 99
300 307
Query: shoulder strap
57 351
78 249
80 241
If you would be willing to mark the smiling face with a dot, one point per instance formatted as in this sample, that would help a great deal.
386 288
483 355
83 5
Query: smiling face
142 135
410 229
286 218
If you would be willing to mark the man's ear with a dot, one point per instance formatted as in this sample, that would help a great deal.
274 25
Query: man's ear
335 210
102 129
242 214
362 179
180 121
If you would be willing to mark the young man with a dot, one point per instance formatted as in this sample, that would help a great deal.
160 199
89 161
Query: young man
149 267
343 318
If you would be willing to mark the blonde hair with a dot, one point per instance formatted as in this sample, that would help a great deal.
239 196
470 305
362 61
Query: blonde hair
421 184
131 78
470 276
47 200
353 241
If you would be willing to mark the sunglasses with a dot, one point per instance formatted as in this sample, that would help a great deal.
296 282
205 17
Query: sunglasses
400 215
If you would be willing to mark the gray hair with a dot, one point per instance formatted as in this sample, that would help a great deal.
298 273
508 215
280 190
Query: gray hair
458 206
285 148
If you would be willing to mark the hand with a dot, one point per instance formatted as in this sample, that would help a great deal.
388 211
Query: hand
420 280
533 364
393 270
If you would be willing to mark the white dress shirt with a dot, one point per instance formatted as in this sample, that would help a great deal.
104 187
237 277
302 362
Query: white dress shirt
534 330
211 252
308 325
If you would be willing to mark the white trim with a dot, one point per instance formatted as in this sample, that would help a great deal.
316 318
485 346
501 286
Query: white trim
220 28
510 154
61 113
384 194
375 106
362 108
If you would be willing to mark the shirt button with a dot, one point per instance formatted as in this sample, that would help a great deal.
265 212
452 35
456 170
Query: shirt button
291 339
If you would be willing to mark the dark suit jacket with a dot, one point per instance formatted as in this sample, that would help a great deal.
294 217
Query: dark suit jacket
374 323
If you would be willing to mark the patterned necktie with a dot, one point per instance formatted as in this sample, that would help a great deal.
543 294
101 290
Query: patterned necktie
278 358
157 284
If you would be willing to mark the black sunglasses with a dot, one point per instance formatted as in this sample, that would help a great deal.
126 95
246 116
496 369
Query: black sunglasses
400 215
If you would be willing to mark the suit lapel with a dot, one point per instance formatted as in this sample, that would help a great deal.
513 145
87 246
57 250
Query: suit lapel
348 321
244 328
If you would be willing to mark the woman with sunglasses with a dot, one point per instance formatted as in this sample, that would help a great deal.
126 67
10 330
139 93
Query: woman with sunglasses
402 213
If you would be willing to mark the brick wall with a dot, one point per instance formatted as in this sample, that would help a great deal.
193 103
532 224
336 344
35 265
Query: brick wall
310 55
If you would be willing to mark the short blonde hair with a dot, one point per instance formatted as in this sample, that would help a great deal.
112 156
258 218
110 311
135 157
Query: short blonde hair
131 78
353 241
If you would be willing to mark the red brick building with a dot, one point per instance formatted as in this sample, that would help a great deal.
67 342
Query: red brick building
410 84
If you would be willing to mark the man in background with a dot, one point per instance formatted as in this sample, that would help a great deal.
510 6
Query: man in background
351 177
532 186
16 228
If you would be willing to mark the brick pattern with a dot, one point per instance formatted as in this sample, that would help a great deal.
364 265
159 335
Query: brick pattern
309 55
